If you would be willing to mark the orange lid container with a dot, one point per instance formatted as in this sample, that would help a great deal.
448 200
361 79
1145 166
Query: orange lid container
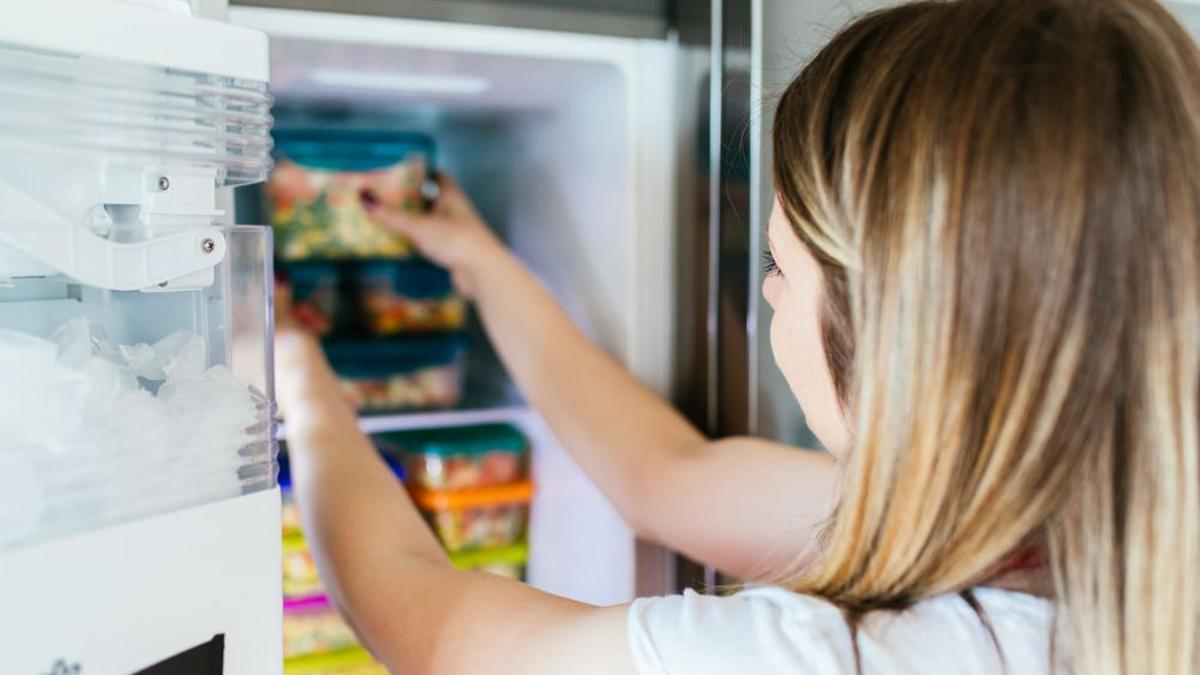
520 492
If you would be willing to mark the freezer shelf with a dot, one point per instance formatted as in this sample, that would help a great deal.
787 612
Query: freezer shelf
376 424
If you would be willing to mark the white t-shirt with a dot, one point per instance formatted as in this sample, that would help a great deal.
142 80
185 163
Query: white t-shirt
772 630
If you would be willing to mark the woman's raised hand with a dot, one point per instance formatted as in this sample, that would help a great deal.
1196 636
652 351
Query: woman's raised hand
451 234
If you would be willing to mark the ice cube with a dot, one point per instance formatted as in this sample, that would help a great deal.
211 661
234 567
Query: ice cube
181 351
21 501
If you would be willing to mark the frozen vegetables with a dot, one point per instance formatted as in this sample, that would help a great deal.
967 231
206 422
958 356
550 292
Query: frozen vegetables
315 629
317 213
436 386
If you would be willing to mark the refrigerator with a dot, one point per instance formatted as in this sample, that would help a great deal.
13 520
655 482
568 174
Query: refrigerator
139 506
620 148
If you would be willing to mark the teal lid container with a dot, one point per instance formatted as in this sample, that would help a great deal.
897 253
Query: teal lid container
334 149
458 459
450 441
396 356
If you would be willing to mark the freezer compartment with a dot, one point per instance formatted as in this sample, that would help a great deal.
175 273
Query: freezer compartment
566 144
118 405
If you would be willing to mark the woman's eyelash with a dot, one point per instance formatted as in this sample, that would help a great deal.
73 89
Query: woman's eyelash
769 266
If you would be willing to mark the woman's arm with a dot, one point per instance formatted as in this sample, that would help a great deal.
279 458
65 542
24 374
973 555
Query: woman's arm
743 505
387 573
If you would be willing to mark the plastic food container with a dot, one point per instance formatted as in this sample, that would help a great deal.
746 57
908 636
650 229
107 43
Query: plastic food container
316 295
467 520
352 661
408 297
313 626
300 578
289 515
460 458
313 193
508 562
399 374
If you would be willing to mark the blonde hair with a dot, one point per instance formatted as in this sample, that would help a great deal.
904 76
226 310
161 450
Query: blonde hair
1004 196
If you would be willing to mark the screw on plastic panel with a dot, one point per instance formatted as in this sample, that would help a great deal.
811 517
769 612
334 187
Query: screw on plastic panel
208 246
61 667
164 183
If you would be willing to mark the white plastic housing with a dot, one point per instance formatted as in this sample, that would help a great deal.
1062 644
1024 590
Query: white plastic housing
138 510
118 600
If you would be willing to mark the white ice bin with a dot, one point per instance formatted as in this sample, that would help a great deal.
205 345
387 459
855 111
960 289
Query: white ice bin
139 514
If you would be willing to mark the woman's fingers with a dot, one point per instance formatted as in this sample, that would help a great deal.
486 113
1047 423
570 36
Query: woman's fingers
411 225
451 234
285 316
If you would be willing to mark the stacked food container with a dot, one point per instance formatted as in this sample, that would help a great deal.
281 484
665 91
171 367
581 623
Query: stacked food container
394 330
472 485
390 320
316 639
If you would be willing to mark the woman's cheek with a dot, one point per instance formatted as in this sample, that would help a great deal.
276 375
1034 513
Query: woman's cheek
786 345
771 288
800 355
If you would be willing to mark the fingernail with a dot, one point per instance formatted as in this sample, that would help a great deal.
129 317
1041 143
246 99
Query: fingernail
368 198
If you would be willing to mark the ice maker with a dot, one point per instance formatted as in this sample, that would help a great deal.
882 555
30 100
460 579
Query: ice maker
139 513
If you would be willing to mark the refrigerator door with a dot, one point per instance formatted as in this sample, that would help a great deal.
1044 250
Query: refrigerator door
713 276
740 54
787 34
138 507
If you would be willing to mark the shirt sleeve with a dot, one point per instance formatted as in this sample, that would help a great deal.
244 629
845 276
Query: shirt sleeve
759 631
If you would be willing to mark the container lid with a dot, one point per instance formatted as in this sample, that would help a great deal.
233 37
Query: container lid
516 554
329 662
307 603
471 440
395 356
350 149
416 278
498 495
294 543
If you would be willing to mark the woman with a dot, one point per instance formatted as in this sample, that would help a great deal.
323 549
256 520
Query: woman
984 278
